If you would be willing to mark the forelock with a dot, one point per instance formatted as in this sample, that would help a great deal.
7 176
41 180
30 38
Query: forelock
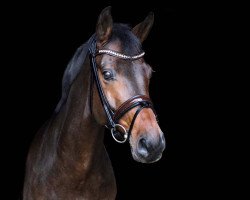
130 44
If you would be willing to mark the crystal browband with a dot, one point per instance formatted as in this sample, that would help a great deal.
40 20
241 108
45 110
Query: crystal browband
119 55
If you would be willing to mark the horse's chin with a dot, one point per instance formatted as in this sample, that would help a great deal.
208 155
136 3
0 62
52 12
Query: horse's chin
141 159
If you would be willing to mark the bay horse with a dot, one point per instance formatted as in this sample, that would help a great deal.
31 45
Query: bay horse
104 85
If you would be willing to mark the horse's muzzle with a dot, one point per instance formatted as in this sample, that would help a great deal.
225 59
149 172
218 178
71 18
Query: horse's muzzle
149 150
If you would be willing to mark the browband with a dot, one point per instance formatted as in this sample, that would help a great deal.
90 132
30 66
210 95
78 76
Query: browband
120 55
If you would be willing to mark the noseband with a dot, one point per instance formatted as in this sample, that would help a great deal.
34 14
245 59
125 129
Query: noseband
140 101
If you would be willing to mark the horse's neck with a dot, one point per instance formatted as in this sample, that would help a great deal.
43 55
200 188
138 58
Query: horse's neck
81 138
67 159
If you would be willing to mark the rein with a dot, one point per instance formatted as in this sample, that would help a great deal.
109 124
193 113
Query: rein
140 101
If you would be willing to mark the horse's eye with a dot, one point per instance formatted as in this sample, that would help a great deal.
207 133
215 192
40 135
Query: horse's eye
107 75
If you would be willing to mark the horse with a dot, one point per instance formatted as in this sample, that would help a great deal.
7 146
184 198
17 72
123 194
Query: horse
105 85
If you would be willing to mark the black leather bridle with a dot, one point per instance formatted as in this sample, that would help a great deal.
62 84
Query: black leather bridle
140 101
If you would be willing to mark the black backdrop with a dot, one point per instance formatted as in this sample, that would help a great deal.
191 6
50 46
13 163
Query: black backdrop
41 38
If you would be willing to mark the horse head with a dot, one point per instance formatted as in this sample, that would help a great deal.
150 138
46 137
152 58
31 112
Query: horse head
124 77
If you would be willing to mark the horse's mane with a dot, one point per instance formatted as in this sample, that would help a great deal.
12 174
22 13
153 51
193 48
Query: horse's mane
73 68
130 46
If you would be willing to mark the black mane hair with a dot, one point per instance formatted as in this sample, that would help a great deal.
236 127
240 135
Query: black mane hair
72 70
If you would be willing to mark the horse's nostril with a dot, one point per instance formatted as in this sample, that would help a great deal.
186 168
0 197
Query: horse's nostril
143 143
143 147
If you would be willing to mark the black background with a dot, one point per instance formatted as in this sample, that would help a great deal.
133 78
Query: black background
41 38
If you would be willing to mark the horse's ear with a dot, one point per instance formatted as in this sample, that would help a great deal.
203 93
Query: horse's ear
142 29
104 26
